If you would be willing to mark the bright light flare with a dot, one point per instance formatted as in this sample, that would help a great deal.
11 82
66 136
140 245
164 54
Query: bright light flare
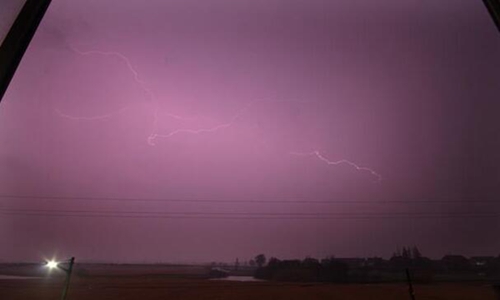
52 264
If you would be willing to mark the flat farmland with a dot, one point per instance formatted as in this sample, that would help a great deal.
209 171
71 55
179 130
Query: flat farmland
171 287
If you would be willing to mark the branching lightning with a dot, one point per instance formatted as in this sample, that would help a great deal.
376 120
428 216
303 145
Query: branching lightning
155 135
142 84
319 156
123 58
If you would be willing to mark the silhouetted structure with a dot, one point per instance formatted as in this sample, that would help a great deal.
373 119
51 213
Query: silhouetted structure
377 269
308 270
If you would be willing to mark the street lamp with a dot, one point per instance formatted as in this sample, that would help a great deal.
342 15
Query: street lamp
52 264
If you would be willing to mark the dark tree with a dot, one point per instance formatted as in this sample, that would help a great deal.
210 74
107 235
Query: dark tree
406 253
260 260
273 262
236 264
416 253
334 270
310 262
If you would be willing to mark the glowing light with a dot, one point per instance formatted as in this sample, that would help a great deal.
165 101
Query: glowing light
338 162
52 264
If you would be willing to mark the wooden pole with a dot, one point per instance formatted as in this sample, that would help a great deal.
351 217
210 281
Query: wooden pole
68 277
410 285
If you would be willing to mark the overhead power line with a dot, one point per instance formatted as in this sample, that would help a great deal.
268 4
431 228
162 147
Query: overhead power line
236 215
197 213
259 201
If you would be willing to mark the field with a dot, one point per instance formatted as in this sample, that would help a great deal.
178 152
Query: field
158 287
124 282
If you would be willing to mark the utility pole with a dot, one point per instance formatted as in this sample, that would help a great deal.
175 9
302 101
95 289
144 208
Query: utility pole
18 38
410 285
68 277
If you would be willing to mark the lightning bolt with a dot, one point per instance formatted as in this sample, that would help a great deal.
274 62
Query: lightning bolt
124 59
152 138
92 118
322 158
234 119
141 83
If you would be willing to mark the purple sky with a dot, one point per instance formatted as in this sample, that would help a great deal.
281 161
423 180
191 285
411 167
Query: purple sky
386 111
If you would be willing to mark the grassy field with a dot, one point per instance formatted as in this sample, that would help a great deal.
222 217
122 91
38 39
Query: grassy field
124 282
168 287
